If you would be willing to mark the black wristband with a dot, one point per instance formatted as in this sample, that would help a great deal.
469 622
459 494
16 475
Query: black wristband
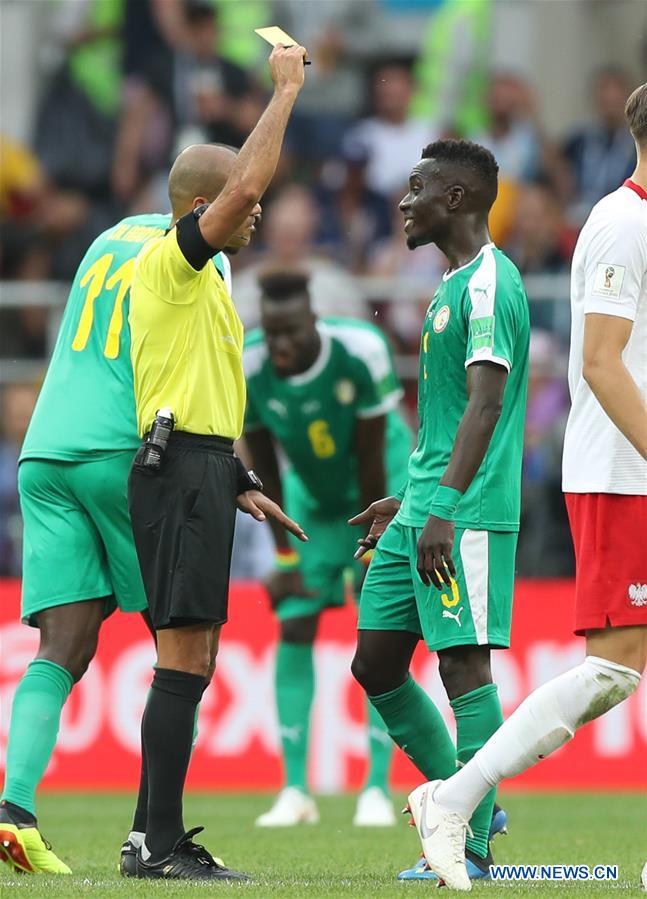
247 480
190 239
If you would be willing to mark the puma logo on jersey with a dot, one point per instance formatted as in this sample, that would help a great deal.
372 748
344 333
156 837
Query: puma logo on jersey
638 595
456 617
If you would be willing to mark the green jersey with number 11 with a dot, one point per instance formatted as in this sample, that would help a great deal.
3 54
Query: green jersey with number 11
87 403
478 314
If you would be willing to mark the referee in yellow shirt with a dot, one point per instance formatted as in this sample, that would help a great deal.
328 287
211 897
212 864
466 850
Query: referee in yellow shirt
186 483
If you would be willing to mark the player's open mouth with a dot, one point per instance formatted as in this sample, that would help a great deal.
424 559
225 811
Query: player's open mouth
408 222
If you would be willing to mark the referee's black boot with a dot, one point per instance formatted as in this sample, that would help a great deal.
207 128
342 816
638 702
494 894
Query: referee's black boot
128 860
187 861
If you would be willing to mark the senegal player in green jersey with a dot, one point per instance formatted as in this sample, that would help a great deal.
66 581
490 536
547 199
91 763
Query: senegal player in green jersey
79 558
326 393
443 568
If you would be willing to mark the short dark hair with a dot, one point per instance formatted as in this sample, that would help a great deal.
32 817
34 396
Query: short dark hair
283 284
468 155
636 114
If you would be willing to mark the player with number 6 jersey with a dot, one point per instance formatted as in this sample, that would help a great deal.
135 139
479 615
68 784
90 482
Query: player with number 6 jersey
325 391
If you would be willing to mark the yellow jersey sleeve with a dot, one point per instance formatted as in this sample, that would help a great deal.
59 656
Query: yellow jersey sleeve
163 269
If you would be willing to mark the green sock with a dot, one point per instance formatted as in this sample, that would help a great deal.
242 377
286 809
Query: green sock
295 687
478 716
416 725
35 718
380 747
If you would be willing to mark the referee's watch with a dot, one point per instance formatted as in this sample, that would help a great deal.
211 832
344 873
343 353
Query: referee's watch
247 480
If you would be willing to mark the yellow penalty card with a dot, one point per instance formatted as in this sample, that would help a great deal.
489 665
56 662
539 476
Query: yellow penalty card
275 35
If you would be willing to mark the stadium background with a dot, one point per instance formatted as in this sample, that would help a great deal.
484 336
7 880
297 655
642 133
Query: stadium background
97 97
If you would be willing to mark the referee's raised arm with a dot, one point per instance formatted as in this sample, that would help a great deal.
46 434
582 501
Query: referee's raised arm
256 163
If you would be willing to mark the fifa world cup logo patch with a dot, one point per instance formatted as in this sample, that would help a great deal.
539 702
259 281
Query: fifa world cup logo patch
608 280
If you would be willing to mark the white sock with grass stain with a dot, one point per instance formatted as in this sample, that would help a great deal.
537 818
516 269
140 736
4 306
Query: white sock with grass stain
544 721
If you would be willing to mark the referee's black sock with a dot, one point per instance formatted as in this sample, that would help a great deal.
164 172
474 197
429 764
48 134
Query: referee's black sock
141 809
167 732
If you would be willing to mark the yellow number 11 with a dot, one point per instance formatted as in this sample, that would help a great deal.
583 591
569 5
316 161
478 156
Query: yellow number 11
95 278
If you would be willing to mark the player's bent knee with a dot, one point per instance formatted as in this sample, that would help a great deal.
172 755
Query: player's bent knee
189 649
625 646
358 670
300 630
69 635
371 677
463 669
198 664
75 659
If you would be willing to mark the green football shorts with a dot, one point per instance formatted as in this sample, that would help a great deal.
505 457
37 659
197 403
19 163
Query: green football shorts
476 610
77 542
327 563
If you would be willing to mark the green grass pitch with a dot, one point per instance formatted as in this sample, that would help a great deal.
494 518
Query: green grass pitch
335 859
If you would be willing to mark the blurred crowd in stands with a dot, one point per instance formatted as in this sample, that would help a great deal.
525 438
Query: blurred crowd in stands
128 83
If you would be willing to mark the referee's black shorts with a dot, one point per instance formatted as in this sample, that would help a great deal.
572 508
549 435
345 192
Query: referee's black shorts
183 518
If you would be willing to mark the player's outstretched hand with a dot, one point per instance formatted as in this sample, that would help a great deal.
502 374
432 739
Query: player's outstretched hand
281 584
287 67
435 563
378 516
259 506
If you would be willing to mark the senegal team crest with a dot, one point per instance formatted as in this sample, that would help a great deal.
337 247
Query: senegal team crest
441 319
345 392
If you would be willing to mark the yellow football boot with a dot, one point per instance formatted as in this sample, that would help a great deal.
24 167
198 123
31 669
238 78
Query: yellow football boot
23 847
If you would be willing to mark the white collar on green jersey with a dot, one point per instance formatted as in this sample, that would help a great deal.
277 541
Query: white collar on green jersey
318 365
447 275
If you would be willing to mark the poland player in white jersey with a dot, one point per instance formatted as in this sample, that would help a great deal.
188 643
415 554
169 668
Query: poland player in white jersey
605 482
609 278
